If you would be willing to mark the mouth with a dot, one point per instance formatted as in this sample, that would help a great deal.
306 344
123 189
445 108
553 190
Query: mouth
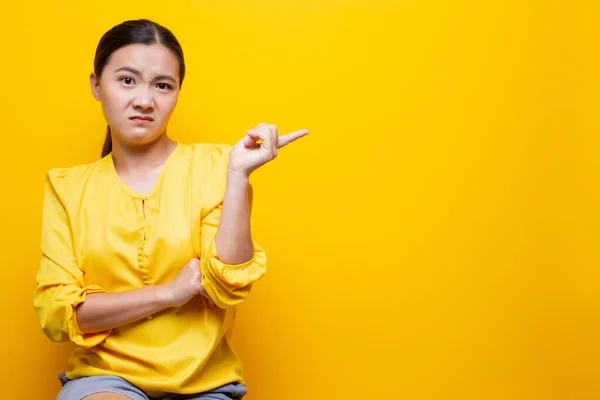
141 119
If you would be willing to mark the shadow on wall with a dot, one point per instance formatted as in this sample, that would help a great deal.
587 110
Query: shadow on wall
55 356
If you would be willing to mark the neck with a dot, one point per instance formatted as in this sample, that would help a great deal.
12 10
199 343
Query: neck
137 159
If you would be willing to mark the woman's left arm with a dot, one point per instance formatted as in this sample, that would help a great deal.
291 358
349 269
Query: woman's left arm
234 239
230 260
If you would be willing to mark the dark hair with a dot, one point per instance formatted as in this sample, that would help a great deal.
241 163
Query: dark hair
141 31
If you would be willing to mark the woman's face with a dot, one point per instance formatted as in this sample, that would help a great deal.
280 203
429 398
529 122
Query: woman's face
138 89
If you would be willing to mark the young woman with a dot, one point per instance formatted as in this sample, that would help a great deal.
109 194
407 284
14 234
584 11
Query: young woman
147 252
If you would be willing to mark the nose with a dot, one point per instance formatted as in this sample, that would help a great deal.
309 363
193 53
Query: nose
143 99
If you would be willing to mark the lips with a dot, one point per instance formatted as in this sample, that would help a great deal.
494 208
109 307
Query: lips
141 118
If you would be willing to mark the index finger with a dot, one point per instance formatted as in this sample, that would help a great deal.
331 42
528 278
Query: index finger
284 140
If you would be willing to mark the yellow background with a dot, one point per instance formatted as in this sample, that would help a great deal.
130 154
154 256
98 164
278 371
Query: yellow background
436 237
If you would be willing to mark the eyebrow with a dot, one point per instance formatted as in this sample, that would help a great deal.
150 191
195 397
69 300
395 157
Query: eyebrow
138 73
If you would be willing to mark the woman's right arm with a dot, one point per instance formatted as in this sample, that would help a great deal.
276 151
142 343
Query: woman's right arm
61 287
102 311
63 301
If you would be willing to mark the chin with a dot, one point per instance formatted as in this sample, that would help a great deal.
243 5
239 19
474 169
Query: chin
138 137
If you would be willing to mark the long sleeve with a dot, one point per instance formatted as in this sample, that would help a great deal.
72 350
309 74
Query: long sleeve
60 283
227 285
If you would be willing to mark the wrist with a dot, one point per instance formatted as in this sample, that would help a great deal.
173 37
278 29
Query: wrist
237 179
165 296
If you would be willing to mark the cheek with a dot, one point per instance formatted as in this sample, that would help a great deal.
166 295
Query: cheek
114 101
168 103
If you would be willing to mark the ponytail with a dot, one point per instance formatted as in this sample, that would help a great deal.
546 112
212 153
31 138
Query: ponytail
107 148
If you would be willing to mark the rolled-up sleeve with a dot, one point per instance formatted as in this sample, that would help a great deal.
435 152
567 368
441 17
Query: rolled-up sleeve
227 285
60 283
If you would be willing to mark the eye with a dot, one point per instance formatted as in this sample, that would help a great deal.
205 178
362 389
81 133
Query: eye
127 80
163 86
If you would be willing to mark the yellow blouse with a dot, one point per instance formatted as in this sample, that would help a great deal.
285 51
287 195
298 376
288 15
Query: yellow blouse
98 235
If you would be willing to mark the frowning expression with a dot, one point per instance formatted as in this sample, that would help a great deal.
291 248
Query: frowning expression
138 89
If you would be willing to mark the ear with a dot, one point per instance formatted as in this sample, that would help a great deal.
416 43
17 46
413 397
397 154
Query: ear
95 86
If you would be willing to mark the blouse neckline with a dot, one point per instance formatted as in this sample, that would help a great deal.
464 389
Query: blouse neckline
158 182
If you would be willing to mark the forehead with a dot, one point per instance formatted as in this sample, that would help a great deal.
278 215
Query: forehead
154 59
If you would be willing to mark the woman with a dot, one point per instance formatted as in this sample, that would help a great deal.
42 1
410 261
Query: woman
146 252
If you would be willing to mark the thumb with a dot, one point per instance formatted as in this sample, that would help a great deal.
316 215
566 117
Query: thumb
206 296
250 139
